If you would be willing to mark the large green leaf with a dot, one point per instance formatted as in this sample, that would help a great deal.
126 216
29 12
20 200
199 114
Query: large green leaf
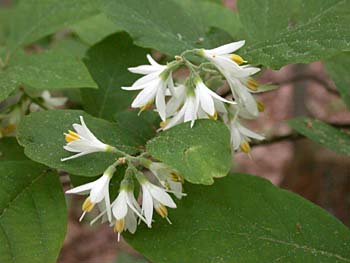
47 70
244 219
284 32
108 62
323 134
10 150
338 68
94 29
41 134
32 213
200 153
166 25
35 19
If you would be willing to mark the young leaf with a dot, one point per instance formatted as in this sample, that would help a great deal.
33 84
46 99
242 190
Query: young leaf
166 26
323 134
338 68
244 219
32 213
200 153
304 31
47 70
34 19
41 134
108 63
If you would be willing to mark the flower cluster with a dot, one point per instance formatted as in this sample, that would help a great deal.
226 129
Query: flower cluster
193 99
122 213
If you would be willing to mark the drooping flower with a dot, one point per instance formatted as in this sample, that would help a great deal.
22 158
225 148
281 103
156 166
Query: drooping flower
153 85
125 210
198 103
48 101
83 142
237 76
98 191
155 197
168 177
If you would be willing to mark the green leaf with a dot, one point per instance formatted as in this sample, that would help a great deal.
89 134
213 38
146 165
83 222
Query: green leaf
47 70
165 26
32 213
34 19
108 63
41 134
300 32
11 150
244 219
94 29
200 153
338 68
323 134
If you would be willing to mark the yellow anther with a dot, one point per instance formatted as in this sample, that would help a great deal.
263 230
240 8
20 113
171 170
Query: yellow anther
119 226
215 116
176 177
88 205
261 106
238 59
162 124
161 210
146 106
252 84
245 147
9 129
71 136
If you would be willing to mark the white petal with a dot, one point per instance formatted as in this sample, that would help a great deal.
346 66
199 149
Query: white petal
176 119
250 133
74 156
206 101
144 69
81 189
147 205
190 109
228 48
120 207
161 195
145 96
236 138
152 61
131 222
84 130
100 189
142 82
160 103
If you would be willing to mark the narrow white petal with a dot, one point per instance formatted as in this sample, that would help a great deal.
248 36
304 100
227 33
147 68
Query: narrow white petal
147 205
153 62
228 48
100 189
144 69
131 222
81 189
161 195
206 101
74 156
120 207
145 96
250 133
160 103
133 88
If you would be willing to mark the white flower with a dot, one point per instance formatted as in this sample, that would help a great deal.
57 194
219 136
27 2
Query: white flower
241 136
168 177
125 209
200 103
153 85
154 197
98 191
238 77
83 141
52 102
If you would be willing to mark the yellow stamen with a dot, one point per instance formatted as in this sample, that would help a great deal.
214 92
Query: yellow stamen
252 84
119 226
146 106
162 124
261 106
238 59
161 210
88 205
245 147
9 129
176 177
215 116
71 136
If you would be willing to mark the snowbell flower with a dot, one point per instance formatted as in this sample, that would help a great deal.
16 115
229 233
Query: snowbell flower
48 101
168 177
153 85
83 141
154 197
240 135
98 191
237 76
198 103
125 209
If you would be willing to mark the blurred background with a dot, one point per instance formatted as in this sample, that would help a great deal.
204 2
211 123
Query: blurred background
288 161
